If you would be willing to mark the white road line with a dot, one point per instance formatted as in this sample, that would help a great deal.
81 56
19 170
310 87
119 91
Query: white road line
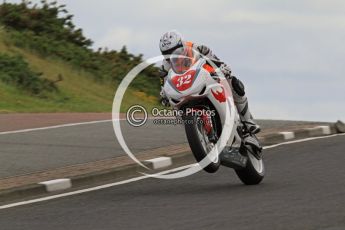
141 177
64 125
54 127
89 189
302 140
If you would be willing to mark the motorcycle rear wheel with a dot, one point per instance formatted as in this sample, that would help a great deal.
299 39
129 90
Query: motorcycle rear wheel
254 171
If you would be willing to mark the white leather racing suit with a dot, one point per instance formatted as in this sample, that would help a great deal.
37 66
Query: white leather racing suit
235 84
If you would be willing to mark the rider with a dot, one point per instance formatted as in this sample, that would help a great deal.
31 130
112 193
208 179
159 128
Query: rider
172 40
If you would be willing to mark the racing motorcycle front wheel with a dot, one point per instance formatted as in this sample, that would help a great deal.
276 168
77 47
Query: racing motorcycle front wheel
199 141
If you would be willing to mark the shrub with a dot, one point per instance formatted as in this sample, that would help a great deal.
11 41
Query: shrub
43 20
15 71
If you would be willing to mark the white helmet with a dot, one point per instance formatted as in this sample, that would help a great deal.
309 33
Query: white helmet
170 41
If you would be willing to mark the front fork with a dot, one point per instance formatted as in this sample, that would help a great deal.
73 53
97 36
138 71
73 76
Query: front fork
210 128
208 125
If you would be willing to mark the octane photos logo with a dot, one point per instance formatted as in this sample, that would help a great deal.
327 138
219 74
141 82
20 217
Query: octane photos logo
164 116
130 115
212 155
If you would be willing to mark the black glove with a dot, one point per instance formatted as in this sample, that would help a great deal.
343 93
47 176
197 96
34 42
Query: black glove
165 102
225 70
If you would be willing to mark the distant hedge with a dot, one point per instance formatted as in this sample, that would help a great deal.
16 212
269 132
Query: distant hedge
15 71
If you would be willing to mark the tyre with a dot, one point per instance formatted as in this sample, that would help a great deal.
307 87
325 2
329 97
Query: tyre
254 171
198 141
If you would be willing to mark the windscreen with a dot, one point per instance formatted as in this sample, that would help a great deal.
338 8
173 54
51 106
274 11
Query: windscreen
182 59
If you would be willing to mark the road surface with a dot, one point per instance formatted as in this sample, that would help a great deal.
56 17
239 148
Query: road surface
304 189
40 150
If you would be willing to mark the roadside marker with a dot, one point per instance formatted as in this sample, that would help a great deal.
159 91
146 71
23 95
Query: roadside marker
288 135
325 129
57 185
160 162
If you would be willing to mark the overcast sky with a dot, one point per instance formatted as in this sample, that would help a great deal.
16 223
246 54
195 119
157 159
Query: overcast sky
289 54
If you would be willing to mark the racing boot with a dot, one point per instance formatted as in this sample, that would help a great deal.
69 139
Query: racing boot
247 119
245 115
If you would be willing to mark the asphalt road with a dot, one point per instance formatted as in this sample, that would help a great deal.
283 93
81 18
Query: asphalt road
22 153
304 189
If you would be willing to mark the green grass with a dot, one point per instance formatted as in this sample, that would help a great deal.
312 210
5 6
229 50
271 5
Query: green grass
78 91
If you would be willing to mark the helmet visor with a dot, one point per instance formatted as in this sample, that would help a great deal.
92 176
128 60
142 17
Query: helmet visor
182 59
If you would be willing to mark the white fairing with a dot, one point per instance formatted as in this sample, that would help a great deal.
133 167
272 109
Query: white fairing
197 86
201 80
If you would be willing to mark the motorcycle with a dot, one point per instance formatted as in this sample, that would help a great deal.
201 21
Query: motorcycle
213 127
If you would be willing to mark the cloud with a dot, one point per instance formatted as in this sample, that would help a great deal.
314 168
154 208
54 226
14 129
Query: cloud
286 19
297 111
116 38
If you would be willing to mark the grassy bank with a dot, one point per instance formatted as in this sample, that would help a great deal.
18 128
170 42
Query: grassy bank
85 86
78 91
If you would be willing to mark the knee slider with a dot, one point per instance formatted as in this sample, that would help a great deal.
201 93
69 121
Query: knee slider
238 86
